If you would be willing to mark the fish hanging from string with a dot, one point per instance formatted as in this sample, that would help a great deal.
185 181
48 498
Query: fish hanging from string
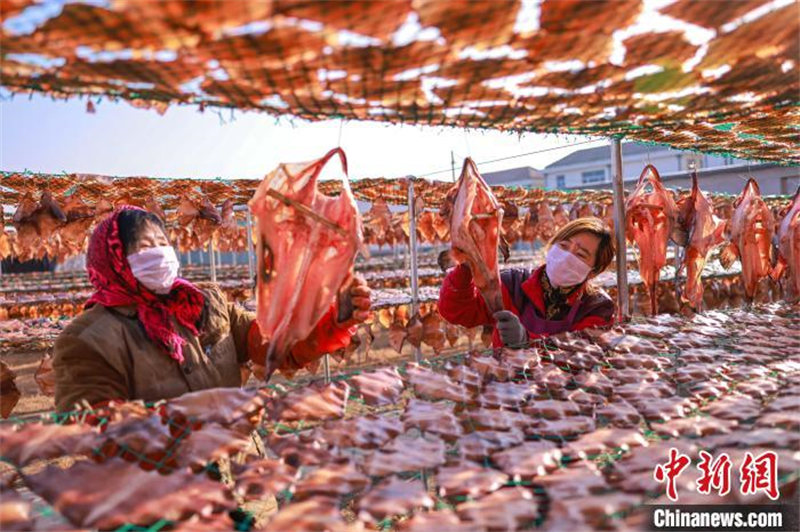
751 229
307 243
650 219
704 232
475 226
788 238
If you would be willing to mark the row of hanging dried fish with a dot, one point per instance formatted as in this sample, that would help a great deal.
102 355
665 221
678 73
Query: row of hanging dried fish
537 220
130 190
765 239
60 228
59 225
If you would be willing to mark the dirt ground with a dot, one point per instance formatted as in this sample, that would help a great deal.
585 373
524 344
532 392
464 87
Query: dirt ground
32 402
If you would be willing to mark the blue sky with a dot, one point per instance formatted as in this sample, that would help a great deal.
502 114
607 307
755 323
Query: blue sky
42 135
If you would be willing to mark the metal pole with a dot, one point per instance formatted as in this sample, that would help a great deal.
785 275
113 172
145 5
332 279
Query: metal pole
249 242
412 237
677 251
619 229
211 261
453 165
326 366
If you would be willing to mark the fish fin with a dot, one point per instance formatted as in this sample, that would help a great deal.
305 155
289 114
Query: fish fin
680 236
777 271
504 248
728 255
49 203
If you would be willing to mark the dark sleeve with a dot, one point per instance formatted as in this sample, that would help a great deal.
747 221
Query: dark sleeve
83 374
460 301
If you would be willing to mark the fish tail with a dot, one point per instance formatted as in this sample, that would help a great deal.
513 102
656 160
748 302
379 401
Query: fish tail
777 271
728 255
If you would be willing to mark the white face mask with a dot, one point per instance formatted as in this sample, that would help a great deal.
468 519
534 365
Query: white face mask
565 269
156 268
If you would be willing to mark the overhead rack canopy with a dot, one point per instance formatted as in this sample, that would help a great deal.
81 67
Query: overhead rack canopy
92 188
717 77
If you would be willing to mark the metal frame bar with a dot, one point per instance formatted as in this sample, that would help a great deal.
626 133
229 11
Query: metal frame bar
412 243
212 261
678 257
619 230
326 367
249 242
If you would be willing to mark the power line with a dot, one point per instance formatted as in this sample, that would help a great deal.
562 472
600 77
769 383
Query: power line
426 174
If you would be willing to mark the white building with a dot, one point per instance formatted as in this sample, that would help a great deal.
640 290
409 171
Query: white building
592 166
524 176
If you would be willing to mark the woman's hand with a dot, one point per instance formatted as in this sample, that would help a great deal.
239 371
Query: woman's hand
459 257
353 303
510 329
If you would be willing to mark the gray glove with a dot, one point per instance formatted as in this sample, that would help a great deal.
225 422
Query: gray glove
511 331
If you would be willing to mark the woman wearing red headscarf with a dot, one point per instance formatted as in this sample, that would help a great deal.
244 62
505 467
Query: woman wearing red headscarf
147 334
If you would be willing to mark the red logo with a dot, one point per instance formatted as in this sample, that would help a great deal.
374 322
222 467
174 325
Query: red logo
716 474
670 471
755 474
760 474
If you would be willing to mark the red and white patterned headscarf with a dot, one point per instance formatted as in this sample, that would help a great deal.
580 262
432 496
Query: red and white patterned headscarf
115 286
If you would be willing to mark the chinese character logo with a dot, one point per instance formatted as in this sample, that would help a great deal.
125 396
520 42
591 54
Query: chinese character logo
716 474
760 474
669 472
755 474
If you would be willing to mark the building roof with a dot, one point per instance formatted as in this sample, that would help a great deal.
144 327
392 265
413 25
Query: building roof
524 175
715 171
603 153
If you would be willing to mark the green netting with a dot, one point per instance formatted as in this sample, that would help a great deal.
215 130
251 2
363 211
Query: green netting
613 454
